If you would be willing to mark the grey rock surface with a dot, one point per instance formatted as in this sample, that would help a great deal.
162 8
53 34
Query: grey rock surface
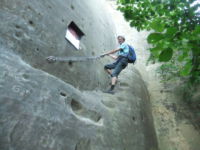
36 30
40 111
56 106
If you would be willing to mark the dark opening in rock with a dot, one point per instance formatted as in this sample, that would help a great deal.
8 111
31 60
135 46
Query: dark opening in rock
72 7
18 34
75 105
17 26
25 76
63 94
83 112
70 63
30 22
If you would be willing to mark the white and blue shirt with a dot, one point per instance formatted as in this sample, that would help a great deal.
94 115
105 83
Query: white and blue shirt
124 50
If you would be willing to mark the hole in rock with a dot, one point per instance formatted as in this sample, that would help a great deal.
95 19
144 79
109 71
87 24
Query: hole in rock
18 34
98 118
37 49
70 63
25 76
63 94
133 118
124 84
30 22
17 26
83 112
75 105
72 7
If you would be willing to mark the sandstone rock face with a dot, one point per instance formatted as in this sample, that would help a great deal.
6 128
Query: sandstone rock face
36 29
41 112
55 106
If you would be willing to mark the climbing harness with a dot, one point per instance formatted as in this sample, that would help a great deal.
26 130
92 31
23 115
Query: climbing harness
53 59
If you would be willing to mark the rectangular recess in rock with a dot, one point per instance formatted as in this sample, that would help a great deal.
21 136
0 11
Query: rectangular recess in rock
74 35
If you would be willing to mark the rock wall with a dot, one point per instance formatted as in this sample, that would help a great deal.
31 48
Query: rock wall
41 106
41 112
36 29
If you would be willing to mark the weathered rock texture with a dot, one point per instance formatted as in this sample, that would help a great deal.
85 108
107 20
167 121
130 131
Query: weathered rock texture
176 126
41 107
36 29
40 111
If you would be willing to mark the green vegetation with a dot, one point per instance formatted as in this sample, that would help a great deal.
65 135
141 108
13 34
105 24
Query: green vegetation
175 36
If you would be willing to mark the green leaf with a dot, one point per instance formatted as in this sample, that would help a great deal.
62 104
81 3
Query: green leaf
157 25
155 51
132 23
197 29
186 69
171 31
166 55
183 56
128 13
185 41
154 37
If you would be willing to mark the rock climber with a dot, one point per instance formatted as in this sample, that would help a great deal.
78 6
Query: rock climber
121 62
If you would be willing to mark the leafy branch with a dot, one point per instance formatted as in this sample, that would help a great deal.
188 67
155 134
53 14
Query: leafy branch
176 31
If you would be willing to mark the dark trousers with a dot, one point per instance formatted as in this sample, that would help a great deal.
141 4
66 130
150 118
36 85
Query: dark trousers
118 66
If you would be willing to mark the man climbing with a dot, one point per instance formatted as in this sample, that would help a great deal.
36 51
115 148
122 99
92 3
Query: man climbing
120 63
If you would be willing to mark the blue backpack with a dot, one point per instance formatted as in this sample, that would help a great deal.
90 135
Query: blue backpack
131 55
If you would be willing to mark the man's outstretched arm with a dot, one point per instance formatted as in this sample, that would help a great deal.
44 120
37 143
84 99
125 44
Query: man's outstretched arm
110 52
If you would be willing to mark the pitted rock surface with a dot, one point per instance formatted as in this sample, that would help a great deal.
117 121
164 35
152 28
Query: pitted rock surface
40 111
